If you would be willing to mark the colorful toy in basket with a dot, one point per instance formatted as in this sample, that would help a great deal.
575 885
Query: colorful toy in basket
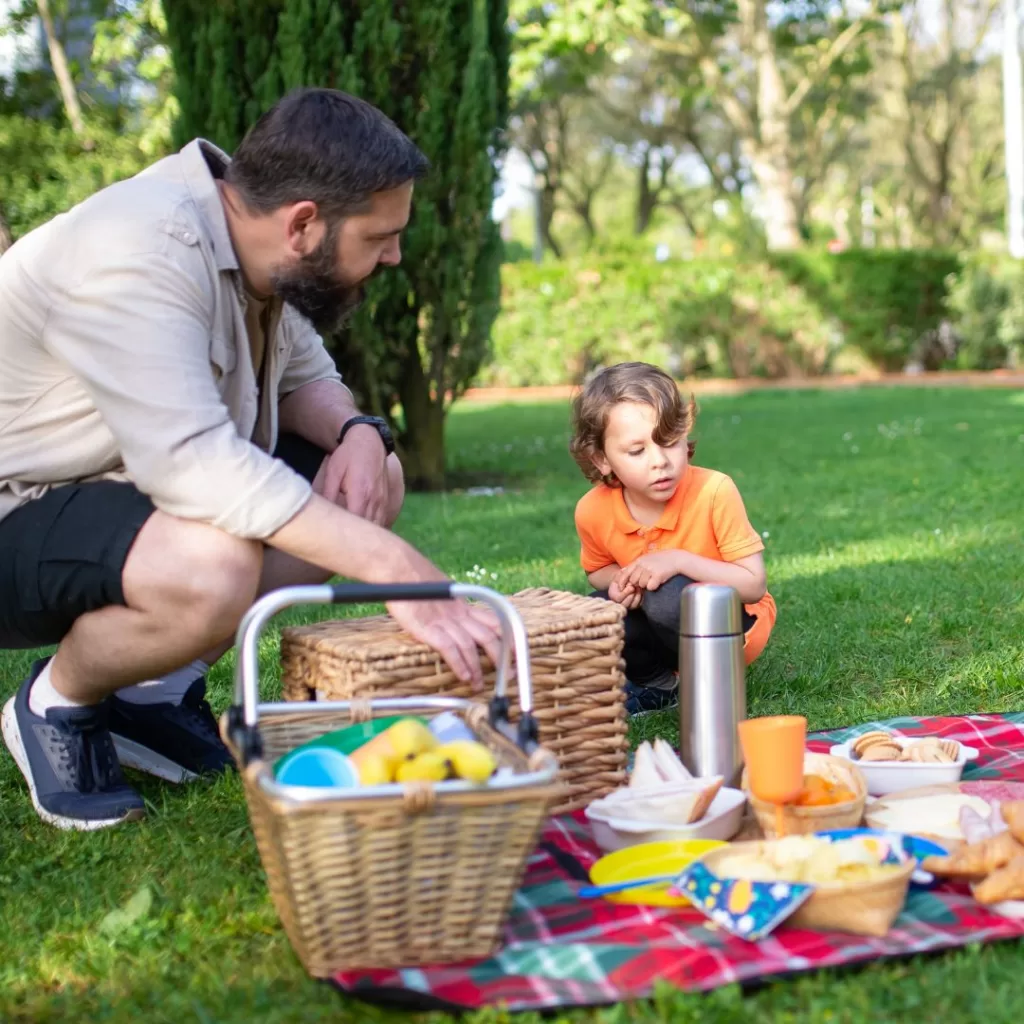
408 750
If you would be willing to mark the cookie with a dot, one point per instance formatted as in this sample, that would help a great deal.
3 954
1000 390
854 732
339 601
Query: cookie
930 750
881 752
861 743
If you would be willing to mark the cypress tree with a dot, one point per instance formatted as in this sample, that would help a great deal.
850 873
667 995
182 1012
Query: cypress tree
439 69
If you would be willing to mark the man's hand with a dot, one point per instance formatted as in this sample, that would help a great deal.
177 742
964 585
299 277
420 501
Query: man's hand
649 572
628 596
454 629
357 471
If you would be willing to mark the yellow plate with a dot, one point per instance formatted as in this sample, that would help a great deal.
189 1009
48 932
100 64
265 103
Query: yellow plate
646 860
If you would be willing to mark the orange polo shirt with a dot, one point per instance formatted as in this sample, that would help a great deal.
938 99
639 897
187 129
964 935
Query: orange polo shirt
706 516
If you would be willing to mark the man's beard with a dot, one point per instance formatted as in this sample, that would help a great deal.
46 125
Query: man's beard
313 288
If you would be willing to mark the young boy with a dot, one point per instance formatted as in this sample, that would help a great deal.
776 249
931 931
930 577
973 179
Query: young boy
653 523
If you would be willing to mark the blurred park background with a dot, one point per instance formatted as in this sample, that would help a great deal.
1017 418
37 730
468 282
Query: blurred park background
729 188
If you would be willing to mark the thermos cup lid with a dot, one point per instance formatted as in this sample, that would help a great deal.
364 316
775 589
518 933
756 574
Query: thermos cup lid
710 609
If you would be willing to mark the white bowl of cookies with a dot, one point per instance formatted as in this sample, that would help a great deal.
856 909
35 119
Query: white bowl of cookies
892 763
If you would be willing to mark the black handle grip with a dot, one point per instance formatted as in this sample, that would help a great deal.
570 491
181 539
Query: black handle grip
370 593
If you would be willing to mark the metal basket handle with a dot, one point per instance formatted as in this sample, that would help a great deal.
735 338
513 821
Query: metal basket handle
244 714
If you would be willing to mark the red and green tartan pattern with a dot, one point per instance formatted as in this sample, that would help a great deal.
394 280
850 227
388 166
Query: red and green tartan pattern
562 951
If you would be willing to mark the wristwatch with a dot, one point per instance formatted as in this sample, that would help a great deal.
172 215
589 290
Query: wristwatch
374 421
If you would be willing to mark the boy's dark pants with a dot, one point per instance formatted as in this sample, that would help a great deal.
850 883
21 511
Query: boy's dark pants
651 647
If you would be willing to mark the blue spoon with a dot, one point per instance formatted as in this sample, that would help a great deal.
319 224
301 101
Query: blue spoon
590 891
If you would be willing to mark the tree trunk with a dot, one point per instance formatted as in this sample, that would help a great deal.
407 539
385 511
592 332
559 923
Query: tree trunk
646 198
547 215
421 443
5 234
771 154
582 209
59 63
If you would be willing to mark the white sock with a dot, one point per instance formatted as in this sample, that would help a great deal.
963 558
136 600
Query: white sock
42 695
168 690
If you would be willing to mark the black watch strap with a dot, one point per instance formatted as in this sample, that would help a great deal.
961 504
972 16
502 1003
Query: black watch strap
373 421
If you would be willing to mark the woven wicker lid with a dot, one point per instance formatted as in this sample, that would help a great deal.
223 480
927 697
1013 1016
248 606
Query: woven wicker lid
547 615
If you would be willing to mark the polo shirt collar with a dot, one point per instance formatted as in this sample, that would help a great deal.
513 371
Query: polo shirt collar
669 520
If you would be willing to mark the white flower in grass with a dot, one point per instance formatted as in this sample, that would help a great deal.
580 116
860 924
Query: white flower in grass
847 436
937 531
765 534
854 449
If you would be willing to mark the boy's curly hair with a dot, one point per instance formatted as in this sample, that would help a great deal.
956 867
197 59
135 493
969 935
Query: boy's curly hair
627 382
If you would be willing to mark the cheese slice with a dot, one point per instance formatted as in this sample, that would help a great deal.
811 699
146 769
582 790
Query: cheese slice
937 815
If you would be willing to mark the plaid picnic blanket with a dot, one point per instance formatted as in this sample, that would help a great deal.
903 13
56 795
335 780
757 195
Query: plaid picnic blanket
562 951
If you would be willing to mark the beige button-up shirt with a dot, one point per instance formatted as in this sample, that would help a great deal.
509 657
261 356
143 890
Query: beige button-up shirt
124 355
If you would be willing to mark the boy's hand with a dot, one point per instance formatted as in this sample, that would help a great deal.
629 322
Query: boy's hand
648 572
628 596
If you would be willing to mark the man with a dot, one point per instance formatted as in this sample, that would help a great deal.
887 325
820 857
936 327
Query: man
175 440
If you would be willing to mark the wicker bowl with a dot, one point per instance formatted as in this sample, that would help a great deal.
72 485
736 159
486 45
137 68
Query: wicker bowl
859 908
805 820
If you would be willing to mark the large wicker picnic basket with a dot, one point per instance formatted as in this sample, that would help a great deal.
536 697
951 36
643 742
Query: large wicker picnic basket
400 874
576 666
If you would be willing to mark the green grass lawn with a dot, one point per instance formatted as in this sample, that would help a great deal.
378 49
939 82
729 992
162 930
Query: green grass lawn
893 529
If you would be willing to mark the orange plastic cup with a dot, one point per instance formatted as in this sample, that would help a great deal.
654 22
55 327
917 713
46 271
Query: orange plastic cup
773 749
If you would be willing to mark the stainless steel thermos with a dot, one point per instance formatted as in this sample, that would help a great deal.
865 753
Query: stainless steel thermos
712 681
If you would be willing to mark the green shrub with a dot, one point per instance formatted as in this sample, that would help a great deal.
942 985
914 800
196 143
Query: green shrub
886 300
44 170
789 315
986 303
696 318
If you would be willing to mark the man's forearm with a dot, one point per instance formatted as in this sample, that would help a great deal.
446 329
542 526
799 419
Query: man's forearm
345 544
317 412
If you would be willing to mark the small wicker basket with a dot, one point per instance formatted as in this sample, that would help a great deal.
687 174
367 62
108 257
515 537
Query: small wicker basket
805 820
576 666
859 908
395 875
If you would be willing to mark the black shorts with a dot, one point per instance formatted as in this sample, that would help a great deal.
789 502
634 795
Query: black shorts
62 555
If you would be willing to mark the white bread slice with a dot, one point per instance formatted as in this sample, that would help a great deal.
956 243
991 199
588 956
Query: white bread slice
668 762
677 803
645 773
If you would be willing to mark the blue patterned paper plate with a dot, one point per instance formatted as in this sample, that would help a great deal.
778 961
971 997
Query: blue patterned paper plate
749 910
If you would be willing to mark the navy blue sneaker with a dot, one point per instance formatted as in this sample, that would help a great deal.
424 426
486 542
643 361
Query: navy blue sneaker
69 763
176 742
641 699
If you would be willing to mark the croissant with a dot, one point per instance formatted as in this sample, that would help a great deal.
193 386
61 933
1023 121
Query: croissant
1013 815
977 859
1007 883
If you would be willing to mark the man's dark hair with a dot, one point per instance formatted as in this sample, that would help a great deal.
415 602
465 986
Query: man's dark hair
325 146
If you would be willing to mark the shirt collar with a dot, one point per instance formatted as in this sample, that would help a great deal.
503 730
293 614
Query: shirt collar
202 163
669 518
